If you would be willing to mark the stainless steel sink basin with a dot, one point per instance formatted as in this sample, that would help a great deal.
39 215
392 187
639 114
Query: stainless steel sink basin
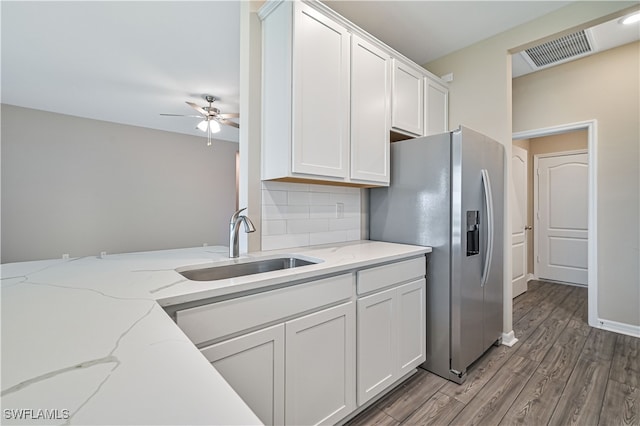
246 268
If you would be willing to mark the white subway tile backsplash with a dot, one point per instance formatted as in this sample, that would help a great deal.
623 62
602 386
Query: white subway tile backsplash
322 212
285 212
344 224
320 198
299 198
285 186
298 215
270 198
354 234
307 225
275 242
327 237
346 198
274 227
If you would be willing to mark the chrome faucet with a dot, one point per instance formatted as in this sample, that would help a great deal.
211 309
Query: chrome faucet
234 230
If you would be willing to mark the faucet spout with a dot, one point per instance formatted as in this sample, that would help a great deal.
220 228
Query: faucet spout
234 231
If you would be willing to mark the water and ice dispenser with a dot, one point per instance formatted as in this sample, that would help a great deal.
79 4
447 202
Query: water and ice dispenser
473 232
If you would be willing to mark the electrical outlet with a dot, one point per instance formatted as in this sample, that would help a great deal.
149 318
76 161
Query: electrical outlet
339 210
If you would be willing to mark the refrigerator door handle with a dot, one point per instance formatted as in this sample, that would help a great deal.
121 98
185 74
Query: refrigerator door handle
488 198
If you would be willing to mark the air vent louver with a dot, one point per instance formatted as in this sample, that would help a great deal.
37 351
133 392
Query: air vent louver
559 50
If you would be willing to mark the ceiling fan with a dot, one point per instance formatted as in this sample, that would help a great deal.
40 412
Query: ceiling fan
211 117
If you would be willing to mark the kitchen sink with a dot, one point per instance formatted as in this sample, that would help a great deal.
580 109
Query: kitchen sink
213 273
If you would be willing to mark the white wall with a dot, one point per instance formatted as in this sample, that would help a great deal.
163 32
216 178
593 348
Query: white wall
79 186
480 94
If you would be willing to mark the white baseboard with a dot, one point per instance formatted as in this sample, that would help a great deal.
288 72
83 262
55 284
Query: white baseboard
531 277
509 339
619 327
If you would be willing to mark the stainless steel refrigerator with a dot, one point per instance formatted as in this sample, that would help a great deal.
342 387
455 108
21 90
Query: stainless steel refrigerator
447 192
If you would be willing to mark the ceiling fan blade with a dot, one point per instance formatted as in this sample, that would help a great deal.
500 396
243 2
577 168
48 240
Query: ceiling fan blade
181 115
229 123
197 108
229 115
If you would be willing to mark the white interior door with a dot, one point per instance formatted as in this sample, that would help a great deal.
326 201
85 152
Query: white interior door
562 206
518 206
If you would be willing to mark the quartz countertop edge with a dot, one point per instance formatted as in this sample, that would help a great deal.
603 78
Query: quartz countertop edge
87 341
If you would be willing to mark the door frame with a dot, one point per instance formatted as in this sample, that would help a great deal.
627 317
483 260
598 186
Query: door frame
536 205
591 126
528 275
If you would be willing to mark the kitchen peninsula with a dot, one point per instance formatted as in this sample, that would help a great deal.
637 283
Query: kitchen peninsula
89 340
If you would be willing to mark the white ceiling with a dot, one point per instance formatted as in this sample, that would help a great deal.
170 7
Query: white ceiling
127 62
124 62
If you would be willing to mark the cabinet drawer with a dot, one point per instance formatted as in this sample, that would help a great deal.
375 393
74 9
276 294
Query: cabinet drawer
209 322
373 279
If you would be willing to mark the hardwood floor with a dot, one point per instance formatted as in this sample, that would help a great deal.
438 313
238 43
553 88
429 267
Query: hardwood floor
561 372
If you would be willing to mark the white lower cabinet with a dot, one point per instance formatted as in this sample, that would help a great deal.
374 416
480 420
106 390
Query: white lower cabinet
253 364
391 326
320 368
412 325
317 383
316 351
376 344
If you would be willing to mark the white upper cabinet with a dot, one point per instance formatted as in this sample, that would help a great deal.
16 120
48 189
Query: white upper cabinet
436 107
370 111
331 94
320 94
407 112
305 105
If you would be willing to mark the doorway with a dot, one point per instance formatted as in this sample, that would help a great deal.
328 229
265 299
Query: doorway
586 130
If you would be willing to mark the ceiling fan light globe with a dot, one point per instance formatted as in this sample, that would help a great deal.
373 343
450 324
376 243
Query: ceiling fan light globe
202 125
214 126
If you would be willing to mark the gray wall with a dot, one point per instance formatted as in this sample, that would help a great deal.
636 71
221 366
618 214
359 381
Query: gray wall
79 186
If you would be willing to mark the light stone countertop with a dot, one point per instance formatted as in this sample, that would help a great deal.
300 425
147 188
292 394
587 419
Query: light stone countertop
88 340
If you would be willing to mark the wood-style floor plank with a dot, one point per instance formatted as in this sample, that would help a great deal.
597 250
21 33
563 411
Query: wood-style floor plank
441 409
373 417
581 401
561 372
479 374
536 403
402 402
490 405
600 345
621 405
530 322
625 367
523 304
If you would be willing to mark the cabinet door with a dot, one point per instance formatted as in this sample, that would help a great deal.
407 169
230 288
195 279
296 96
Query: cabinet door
253 364
370 111
320 94
411 325
437 108
377 344
320 368
407 95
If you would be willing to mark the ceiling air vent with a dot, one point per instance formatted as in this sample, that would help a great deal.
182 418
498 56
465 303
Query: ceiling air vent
560 50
